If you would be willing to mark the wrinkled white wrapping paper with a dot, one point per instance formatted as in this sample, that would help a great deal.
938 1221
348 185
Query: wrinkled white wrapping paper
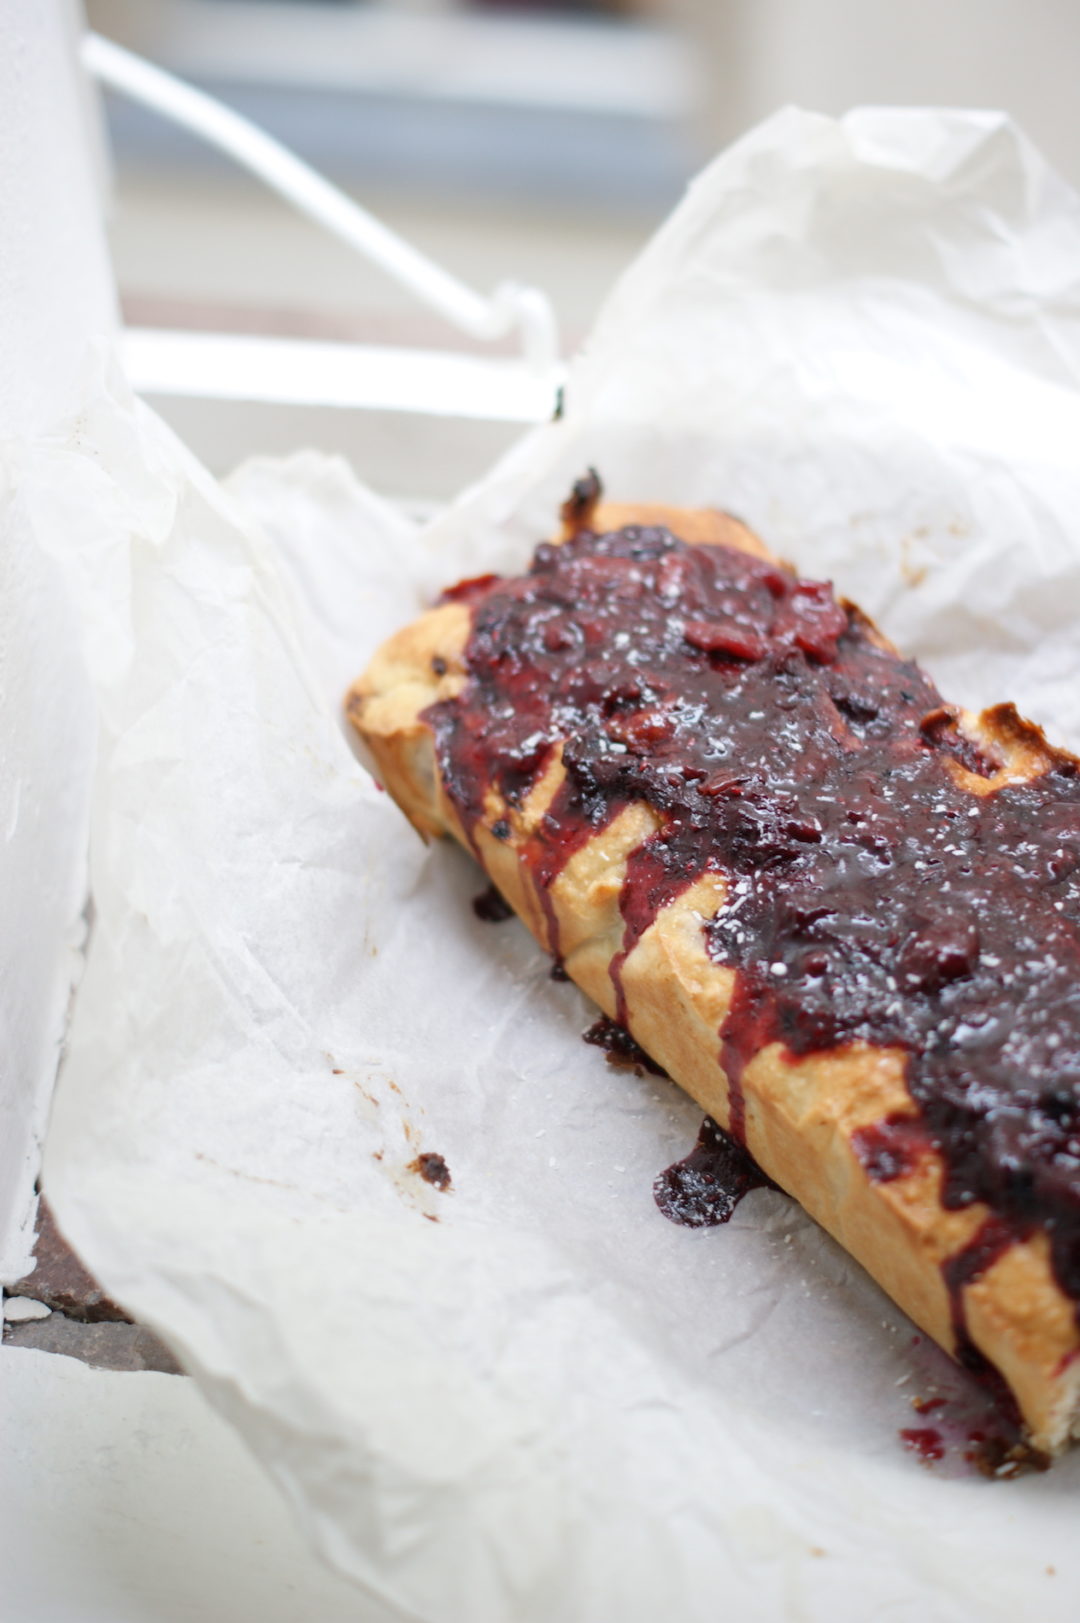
864 337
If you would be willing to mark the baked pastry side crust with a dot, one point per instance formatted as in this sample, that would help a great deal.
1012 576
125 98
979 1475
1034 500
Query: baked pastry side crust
800 1114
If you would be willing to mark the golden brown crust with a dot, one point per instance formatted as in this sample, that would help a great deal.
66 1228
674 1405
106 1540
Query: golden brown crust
801 1115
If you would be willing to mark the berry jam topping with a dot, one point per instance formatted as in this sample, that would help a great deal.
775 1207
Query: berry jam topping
705 1187
873 895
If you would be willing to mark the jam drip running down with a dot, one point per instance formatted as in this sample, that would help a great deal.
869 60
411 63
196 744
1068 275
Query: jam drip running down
704 1188
491 906
620 1047
871 894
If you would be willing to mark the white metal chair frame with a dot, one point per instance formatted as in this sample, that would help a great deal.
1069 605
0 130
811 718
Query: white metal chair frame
310 373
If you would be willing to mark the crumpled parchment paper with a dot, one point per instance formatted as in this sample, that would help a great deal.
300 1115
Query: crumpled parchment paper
529 1397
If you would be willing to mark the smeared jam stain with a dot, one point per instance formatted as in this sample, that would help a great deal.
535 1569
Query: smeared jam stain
890 1149
924 1441
973 1412
704 1188
617 1043
491 907
432 1168
871 894
974 1427
961 1269
995 1451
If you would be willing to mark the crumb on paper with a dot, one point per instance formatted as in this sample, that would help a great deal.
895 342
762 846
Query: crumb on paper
432 1167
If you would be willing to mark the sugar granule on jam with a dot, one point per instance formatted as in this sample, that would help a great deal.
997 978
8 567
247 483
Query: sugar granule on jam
872 895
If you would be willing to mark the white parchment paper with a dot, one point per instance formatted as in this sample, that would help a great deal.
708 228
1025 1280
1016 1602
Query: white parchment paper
531 1398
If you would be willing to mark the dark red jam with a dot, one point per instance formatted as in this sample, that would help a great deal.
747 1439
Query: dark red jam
492 906
705 1187
871 896
977 1421
927 1405
618 1045
926 1442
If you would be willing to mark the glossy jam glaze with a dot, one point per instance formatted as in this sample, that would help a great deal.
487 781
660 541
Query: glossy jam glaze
704 1188
872 894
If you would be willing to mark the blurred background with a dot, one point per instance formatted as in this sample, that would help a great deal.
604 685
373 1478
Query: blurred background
542 140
